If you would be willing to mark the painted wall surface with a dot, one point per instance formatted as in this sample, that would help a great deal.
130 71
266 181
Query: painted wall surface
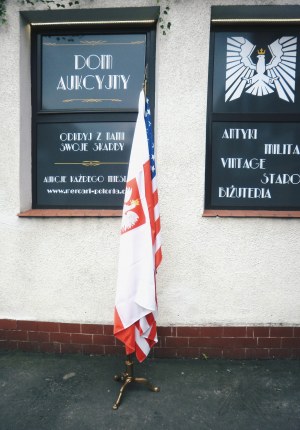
230 271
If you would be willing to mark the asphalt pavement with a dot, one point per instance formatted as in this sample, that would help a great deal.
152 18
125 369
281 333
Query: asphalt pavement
76 392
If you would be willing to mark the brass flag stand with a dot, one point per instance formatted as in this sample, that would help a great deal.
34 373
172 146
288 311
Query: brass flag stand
127 378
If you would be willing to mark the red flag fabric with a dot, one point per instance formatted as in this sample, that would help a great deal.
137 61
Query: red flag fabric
140 245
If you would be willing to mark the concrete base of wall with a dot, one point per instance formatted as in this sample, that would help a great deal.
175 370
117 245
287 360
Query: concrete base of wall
193 342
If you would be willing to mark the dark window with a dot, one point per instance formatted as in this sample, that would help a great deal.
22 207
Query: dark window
85 89
253 150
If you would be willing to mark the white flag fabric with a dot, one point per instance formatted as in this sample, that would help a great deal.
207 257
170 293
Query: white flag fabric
140 247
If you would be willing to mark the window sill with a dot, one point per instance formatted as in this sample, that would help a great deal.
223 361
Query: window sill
250 213
70 213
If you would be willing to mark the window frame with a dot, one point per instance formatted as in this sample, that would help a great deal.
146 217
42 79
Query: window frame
238 18
138 26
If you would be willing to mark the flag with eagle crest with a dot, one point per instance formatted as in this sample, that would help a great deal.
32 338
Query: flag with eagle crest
140 245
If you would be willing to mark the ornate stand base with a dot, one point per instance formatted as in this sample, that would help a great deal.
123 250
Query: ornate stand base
127 377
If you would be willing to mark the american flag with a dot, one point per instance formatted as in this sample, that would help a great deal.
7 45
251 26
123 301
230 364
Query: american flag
140 245
155 213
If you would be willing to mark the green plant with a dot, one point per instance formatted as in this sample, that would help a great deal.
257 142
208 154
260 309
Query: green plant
49 3
2 11
164 23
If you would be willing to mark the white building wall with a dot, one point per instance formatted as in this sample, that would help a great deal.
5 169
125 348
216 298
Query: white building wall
215 271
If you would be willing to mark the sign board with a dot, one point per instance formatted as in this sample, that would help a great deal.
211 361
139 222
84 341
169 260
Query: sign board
95 71
256 165
83 165
253 130
85 87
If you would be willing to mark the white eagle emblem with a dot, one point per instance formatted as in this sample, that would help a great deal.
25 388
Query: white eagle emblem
261 79
129 218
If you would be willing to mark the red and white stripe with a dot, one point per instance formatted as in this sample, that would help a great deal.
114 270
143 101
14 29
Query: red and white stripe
140 255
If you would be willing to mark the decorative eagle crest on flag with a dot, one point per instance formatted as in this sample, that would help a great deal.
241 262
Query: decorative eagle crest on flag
261 79
133 214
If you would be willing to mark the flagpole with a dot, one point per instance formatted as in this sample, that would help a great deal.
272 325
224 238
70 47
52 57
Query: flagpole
145 80
127 378
140 212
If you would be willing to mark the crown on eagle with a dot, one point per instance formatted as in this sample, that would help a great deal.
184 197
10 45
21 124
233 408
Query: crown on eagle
261 51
